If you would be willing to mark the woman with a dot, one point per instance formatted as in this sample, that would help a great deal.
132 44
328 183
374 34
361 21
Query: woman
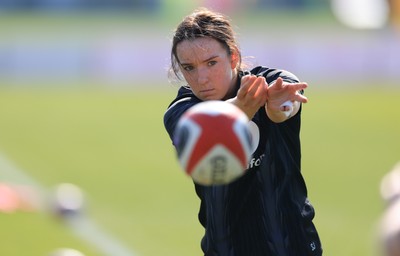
265 212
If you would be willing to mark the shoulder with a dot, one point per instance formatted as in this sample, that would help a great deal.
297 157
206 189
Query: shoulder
271 74
183 101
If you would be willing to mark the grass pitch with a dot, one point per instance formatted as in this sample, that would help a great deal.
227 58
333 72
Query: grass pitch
113 145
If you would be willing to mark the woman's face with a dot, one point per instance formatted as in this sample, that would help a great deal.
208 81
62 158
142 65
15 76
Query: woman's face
207 67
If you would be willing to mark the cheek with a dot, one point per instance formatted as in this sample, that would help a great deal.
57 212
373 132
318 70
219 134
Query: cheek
225 75
223 71
189 78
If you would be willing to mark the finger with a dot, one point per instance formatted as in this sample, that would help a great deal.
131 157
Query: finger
300 98
300 86
278 84
245 81
293 86
244 86
245 78
260 94
257 83
248 83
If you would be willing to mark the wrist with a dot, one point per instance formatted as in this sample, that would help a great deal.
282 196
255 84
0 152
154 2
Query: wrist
250 112
280 113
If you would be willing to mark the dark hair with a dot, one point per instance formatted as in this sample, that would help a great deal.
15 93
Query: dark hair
203 23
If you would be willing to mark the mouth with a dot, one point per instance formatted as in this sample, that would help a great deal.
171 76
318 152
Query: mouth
207 91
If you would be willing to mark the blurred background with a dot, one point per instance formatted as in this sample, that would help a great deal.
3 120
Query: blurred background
121 42
85 162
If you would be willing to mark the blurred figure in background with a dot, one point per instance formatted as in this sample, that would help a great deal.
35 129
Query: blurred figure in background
361 14
16 197
367 14
389 233
394 6
220 5
283 4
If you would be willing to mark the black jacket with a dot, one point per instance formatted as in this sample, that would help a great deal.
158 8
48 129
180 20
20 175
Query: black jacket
266 212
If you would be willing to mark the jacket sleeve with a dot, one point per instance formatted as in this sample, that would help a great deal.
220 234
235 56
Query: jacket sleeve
272 74
183 102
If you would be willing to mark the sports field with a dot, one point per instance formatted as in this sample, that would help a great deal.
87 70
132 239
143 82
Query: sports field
112 144
110 141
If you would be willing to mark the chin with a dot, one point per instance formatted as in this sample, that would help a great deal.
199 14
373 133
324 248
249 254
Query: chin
212 98
209 97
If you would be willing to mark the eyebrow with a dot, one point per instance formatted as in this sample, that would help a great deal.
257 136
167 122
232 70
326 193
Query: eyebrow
206 60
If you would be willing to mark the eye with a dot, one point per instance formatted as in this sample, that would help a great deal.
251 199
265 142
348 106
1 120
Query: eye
212 63
188 68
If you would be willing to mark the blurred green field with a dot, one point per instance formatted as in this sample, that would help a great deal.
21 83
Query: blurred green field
113 145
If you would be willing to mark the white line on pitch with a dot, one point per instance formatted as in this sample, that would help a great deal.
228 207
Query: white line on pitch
82 226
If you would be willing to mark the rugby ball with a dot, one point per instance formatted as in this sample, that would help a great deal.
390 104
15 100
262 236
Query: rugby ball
213 142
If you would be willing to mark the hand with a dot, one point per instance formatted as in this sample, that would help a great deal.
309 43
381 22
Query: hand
281 92
252 94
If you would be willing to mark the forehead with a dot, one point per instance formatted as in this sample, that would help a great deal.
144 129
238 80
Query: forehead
199 49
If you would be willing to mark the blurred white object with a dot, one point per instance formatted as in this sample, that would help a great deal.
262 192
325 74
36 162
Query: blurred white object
289 105
66 252
390 184
68 199
361 14
389 232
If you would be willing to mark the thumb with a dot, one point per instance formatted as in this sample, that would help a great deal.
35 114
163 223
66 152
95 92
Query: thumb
278 84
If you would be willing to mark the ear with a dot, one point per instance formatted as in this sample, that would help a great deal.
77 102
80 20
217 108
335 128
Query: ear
234 59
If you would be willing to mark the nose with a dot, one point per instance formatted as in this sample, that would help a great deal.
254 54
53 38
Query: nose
202 76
